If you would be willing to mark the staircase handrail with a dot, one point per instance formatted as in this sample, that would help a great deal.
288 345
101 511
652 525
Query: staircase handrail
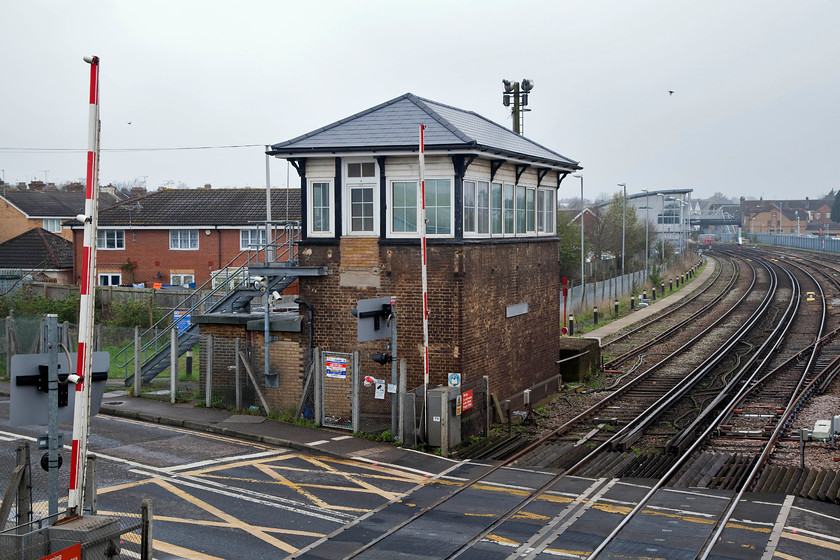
123 358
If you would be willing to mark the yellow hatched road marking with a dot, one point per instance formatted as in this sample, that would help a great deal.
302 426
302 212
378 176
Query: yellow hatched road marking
232 521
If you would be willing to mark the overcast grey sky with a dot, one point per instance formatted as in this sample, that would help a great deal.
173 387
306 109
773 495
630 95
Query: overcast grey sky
755 109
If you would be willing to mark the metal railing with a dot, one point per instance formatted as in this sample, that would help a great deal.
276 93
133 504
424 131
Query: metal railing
272 252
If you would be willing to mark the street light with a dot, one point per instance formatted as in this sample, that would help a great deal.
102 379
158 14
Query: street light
582 282
662 236
646 232
623 231
520 101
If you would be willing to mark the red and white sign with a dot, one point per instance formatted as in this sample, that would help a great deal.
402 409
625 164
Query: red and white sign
70 553
467 400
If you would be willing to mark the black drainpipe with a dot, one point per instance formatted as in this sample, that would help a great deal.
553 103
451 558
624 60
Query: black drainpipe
311 315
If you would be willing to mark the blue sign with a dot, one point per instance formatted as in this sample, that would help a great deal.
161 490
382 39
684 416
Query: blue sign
454 379
181 320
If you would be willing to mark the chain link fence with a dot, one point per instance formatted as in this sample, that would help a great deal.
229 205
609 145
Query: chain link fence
26 517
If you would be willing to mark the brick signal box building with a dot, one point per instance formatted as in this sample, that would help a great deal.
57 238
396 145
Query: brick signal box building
493 279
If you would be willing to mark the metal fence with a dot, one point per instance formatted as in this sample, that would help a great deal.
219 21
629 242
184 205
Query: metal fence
26 519
811 242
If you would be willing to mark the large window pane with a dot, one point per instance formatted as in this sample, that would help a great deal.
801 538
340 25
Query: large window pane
110 239
469 207
320 207
438 207
496 207
530 209
520 209
404 202
482 208
509 217
361 209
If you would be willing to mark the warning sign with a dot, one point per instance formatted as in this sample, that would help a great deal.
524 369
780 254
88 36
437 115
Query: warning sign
467 400
336 367
70 553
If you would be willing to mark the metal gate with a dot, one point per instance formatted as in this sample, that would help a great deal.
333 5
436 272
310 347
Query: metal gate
338 390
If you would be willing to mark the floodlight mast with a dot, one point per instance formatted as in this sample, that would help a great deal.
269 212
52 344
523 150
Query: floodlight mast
81 413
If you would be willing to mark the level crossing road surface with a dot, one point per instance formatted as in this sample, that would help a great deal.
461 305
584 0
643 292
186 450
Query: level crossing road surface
240 494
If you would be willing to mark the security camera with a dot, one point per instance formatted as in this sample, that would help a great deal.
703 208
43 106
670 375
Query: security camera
73 378
258 282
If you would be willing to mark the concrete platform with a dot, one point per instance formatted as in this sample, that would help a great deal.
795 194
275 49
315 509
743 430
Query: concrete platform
655 306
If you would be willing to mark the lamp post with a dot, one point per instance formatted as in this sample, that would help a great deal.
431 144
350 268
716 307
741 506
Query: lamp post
646 232
582 281
661 234
623 232
519 93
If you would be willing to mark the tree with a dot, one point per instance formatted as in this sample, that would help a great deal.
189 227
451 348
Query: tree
835 208
569 250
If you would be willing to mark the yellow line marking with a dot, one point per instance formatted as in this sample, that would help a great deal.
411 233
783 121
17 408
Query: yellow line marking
811 540
786 556
205 523
233 522
297 488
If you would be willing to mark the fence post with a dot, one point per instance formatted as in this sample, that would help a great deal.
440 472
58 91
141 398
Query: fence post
146 539
137 347
488 412
238 378
24 504
208 378
90 484
355 412
173 363
318 409
10 321
401 389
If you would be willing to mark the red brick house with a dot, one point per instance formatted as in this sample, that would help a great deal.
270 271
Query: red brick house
181 237
493 277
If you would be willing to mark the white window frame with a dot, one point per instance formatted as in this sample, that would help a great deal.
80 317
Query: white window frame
184 277
509 213
311 232
250 232
415 180
501 209
179 248
352 183
390 202
546 221
109 276
104 234
52 225
479 211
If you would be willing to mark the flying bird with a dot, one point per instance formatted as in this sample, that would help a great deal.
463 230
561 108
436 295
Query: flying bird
670 92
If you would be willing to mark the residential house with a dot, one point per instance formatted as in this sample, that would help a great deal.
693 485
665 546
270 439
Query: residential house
24 210
39 255
787 216
493 280
182 237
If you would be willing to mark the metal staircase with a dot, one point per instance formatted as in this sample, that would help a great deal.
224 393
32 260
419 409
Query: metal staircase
275 262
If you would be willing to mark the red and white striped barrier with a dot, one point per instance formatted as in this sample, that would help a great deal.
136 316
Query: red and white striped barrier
81 415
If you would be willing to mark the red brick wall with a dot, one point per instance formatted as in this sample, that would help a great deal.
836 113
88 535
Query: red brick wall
470 287
149 250
286 356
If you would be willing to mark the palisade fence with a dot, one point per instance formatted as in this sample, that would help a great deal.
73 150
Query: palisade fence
821 243
582 299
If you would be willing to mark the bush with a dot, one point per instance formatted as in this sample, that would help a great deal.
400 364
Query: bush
131 312
27 304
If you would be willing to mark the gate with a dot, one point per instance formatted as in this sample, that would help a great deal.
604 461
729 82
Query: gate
338 390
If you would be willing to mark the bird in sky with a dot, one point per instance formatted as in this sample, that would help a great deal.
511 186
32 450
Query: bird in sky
670 92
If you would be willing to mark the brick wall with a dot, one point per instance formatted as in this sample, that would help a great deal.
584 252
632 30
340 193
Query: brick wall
149 249
470 287
286 356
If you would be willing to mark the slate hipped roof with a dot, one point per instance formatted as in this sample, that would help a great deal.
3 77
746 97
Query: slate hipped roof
393 126
37 249
202 207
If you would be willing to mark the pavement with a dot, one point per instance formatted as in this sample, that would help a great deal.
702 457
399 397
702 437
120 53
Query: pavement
657 306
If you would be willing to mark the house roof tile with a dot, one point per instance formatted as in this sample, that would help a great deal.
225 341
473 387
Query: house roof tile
37 249
202 208
53 204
